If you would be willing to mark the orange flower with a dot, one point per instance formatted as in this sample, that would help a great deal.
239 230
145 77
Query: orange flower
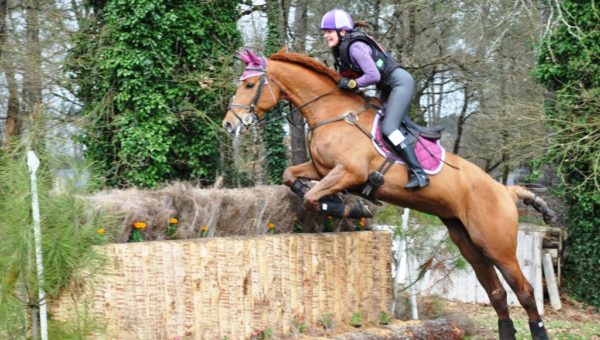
204 228
173 220
100 231
362 222
270 225
139 225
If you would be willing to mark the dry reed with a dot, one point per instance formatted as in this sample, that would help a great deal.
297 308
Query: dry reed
226 212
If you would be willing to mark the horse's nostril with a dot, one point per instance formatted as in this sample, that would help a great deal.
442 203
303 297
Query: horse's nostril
228 127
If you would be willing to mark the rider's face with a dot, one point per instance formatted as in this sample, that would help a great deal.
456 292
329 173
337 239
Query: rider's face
332 38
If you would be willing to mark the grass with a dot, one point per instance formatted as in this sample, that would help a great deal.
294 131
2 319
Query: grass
557 329
573 321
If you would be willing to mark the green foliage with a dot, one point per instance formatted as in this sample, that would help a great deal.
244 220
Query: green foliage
384 318
265 333
326 321
154 77
569 66
299 325
580 271
273 133
68 230
356 320
276 150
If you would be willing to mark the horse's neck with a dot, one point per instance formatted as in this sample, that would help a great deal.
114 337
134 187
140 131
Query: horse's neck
303 87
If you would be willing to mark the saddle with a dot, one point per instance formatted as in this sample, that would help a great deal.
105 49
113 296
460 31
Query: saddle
425 140
432 133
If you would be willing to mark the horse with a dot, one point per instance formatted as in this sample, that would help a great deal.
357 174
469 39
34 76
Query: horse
480 213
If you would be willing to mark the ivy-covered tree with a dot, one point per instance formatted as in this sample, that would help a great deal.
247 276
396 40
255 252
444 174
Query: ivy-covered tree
569 66
273 133
153 77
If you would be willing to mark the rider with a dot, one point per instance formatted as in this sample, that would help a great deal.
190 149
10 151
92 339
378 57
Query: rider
361 62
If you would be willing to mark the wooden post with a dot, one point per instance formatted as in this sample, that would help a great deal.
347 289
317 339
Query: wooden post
538 287
33 163
551 282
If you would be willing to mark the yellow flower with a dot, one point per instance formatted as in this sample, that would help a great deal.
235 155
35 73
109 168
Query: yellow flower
139 225
173 220
204 228
329 218
270 225
100 231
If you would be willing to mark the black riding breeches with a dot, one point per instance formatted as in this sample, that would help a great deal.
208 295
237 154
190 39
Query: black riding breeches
397 91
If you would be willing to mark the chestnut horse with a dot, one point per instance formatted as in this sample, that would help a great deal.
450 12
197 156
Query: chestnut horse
480 213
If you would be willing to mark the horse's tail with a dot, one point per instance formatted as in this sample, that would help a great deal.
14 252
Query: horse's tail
535 201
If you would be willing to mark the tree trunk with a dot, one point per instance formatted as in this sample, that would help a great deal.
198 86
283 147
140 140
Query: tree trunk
276 154
297 133
377 14
12 123
462 118
32 77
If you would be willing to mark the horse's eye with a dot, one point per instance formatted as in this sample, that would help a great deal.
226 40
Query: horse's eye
249 85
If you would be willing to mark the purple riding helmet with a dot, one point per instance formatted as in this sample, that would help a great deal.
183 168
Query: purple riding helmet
337 19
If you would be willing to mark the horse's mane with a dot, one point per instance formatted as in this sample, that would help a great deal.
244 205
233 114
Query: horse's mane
307 62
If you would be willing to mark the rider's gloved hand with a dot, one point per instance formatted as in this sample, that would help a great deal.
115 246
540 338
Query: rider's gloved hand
347 84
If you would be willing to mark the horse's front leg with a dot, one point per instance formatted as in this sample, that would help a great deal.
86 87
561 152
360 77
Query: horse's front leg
293 174
339 178
305 170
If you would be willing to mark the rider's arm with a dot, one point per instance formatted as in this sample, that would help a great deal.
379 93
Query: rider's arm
360 54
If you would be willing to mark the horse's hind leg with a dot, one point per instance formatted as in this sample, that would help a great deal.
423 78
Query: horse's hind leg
500 250
511 271
486 274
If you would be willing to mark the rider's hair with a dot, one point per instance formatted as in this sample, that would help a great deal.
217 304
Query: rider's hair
362 24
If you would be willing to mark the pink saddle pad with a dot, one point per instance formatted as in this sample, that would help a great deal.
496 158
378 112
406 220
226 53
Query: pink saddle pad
430 153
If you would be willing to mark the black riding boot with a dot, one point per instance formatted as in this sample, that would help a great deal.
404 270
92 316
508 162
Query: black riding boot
417 178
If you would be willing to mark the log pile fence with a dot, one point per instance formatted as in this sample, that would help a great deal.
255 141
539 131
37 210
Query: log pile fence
229 287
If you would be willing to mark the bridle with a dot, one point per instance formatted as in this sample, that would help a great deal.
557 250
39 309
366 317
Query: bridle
251 116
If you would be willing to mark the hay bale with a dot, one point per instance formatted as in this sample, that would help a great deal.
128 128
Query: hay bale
226 212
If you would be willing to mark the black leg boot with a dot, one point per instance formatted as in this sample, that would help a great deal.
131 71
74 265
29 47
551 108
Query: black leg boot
538 331
417 178
506 329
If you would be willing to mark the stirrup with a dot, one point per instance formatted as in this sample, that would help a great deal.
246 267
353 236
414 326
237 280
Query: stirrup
416 181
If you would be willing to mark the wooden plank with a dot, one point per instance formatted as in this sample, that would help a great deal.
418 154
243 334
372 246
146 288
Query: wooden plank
551 285
538 286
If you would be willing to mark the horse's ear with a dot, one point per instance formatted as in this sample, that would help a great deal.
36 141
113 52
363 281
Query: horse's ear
254 59
245 58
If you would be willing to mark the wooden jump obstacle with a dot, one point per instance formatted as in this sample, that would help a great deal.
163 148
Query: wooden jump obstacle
232 286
